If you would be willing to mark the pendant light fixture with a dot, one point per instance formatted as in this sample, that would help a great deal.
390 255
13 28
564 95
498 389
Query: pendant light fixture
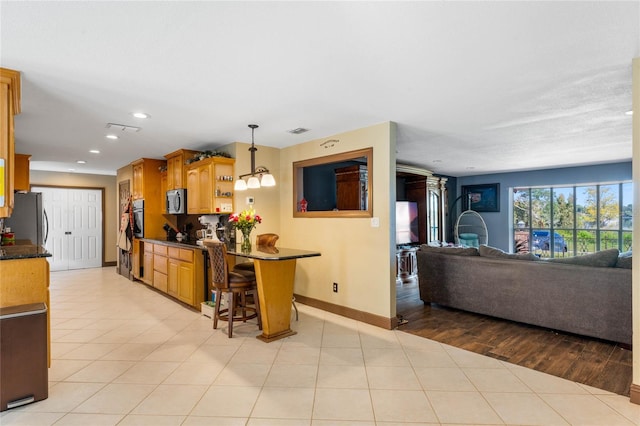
264 178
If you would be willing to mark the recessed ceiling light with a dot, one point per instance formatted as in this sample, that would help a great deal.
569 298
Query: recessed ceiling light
94 151
140 115
630 112
81 162
111 136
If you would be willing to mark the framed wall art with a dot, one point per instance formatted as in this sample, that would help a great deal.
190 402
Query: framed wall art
481 198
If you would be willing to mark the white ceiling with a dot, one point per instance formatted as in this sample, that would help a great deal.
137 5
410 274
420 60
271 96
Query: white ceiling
475 87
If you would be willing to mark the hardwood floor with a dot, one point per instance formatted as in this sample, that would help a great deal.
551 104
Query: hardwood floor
593 362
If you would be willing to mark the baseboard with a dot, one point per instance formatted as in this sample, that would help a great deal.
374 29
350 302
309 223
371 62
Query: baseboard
377 320
114 263
635 393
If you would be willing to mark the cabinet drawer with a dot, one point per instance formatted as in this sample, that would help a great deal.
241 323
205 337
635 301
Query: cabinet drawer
147 246
160 281
160 263
186 255
174 252
159 249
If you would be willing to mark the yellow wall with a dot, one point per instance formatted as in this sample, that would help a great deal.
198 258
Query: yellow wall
360 258
78 180
266 200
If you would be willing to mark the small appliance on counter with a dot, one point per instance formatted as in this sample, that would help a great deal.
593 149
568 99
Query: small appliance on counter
212 224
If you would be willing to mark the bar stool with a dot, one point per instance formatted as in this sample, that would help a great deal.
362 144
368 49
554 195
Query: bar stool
235 285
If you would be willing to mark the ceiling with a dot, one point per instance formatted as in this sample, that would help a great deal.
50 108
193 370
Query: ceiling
475 87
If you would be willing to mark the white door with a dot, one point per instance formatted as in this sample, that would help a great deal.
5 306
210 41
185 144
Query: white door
75 227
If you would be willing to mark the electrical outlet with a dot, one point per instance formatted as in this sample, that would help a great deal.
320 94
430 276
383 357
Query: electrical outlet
250 200
335 287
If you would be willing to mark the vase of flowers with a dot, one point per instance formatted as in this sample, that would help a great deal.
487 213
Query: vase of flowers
245 221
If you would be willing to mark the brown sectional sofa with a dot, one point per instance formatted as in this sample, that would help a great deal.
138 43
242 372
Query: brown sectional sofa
592 301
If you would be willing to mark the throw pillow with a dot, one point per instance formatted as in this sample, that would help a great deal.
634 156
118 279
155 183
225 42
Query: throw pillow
625 260
458 251
604 258
488 251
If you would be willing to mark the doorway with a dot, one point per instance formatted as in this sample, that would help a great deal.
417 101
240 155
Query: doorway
75 227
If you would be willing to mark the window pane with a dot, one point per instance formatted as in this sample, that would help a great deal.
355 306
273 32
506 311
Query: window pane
586 242
626 241
608 240
609 207
627 206
586 214
521 209
541 207
563 208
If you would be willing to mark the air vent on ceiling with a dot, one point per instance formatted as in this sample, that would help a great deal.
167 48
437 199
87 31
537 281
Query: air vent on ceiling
297 130
123 127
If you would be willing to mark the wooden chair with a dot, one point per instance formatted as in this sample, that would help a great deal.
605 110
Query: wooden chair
267 240
236 285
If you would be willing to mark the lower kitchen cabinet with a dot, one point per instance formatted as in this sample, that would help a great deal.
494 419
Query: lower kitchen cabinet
176 271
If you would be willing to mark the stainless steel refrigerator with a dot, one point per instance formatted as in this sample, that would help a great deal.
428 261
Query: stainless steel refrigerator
29 218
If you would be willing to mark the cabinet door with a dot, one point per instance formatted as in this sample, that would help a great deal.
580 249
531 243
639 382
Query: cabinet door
147 270
138 182
176 172
21 172
205 192
135 259
7 145
173 277
193 205
186 283
160 281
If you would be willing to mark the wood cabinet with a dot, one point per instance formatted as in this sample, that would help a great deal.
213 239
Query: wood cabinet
176 271
9 107
176 168
147 270
21 173
210 186
146 186
351 188
160 267
164 177
431 195
136 256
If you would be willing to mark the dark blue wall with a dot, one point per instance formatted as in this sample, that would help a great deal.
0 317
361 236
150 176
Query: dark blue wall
499 224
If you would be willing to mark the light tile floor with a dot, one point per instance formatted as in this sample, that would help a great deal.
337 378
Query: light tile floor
126 355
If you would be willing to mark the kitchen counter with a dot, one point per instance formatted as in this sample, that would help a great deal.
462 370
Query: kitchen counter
23 250
175 243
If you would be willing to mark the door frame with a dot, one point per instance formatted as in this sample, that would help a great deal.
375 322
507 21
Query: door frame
102 196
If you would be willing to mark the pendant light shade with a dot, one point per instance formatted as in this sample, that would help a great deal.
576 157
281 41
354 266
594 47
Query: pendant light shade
268 180
264 178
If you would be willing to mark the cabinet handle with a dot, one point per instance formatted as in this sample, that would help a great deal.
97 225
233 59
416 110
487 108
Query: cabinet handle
67 233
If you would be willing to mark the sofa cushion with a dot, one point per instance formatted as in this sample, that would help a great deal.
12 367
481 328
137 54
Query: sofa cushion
458 251
488 251
604 258
624 260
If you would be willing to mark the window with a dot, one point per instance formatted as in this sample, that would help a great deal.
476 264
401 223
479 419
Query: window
573 220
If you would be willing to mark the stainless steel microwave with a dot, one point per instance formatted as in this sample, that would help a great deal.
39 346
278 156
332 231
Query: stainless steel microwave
177 201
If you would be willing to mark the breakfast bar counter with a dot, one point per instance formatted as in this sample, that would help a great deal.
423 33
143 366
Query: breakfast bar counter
275 272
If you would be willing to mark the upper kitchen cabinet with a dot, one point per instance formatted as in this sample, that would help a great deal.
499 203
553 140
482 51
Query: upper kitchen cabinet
147 186
9 107
146 179
210 186
21 173
176 168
